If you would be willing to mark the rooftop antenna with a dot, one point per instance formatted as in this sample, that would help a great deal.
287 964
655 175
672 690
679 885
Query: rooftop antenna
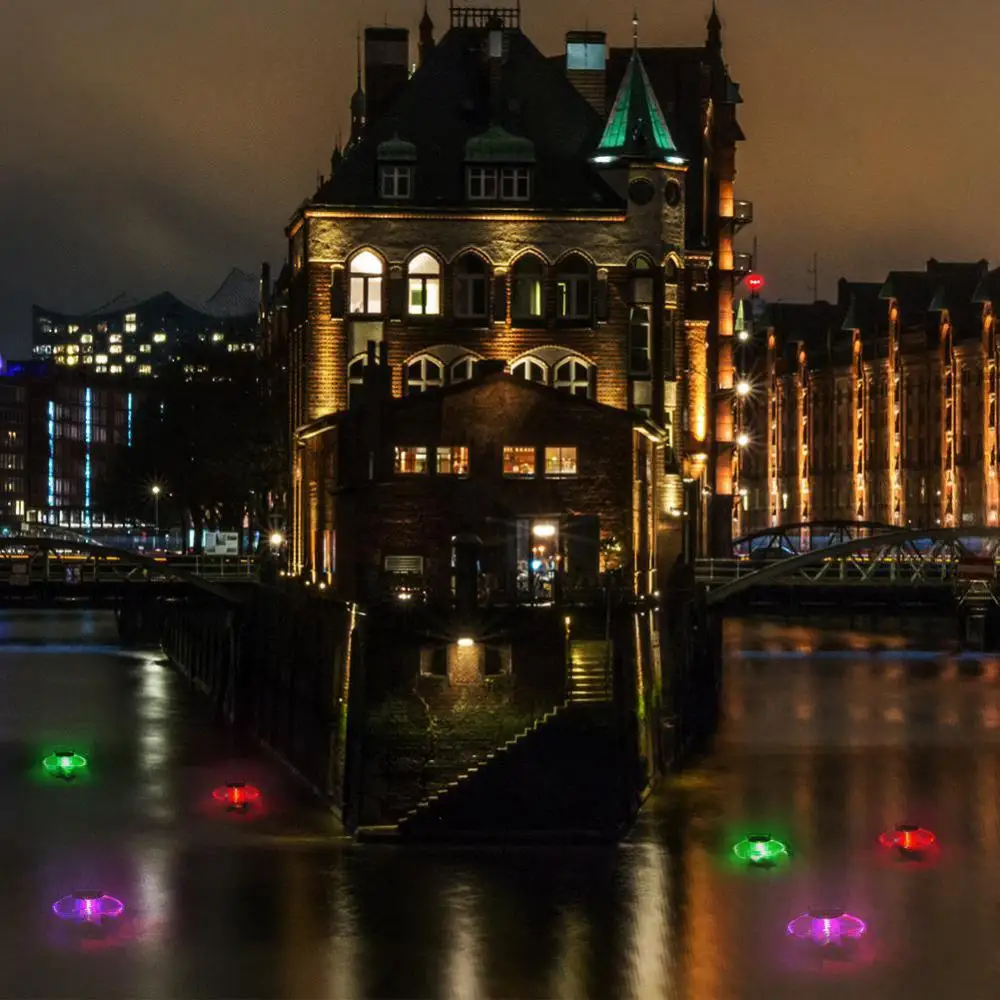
635 29
814 274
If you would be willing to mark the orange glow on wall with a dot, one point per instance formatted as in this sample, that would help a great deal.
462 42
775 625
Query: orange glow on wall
697 350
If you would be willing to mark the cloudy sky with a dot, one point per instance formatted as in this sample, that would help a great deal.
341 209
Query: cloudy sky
150 144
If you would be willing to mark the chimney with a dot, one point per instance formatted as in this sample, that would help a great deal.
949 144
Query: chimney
495 60
586 63
387 68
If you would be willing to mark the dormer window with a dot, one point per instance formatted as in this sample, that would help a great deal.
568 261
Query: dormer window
396 182
499 166
396 159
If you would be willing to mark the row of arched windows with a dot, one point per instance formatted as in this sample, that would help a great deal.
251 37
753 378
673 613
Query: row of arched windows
574 282
570 373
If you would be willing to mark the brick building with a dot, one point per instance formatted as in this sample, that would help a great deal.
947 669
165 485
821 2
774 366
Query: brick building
881 406
572 217
557 489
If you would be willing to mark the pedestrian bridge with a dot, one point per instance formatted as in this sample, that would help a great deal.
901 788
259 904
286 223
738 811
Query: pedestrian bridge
962 562
57 566
806 536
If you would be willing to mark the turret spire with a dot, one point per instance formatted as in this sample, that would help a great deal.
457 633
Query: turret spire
358 114
715 29
635 29
426 35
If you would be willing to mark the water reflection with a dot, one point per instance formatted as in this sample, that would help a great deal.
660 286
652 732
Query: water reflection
831 736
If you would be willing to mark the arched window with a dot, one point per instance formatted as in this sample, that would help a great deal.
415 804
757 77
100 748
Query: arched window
470 287
366 284
356 379
528 278
422 374
462 369
639 344
574 298
573 375
425 286
530 369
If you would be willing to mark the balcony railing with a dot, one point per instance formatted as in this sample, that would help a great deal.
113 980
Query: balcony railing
742 213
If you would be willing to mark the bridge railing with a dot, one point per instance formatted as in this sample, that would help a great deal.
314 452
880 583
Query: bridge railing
26 568
852 570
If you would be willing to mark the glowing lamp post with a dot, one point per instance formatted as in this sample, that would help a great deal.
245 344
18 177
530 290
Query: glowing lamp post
156 490
64 764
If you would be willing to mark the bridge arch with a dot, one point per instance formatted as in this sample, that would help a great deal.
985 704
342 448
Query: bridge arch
899 545
788 537
58 542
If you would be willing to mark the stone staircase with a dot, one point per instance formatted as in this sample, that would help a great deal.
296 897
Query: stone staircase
589 673
434 805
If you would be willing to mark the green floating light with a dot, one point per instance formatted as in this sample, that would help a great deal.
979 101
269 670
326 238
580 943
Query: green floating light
64 764
760 850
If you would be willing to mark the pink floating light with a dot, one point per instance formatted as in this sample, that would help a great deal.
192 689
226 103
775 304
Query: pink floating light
827 928
88 907
909 839
236 795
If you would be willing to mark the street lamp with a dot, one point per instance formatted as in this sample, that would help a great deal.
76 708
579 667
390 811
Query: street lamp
743 439
156 490
743 388
277 539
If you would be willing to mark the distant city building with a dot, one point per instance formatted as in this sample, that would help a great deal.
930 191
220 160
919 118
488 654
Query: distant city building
572 217
129 337
58 433
881 406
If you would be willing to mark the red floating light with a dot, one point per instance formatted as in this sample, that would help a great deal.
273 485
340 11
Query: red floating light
908 838
755 282
237 795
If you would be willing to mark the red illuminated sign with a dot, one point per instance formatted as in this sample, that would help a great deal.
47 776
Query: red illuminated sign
755 282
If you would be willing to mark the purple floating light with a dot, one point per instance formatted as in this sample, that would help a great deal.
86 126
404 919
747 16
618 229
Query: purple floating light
88 907
827 928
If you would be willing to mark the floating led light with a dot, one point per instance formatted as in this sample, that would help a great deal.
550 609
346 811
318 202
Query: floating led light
760 849
64 764
909 838
88 907
827 928
236 795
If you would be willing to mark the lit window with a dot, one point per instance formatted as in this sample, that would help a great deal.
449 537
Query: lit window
60 348
115 349
145 369
73 328
366 284
130 359
114 338
423 374
638 340
453 461
130 322
72 360
518 460
411 461
88 359
573 375
115 369
72 348
145 348
573 294
159 338
560 462
425 286
102 359
396 182
482 183
526 293
100 369
463 369
356 379
530 370
218 338
86 338
470 287
515 183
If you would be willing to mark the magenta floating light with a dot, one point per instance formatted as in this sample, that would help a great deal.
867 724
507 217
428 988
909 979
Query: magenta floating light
827 928
88 907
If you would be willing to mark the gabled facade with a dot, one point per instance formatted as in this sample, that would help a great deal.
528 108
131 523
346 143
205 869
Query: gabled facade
897 410
501 205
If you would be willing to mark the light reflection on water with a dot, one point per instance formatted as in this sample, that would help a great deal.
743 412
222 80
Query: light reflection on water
831 736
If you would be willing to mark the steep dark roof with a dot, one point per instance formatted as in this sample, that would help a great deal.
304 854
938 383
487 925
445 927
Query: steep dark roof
955 286
912 292
864 308
816 325
988 289
448 101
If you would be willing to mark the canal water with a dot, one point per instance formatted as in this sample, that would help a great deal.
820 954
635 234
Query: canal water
832 735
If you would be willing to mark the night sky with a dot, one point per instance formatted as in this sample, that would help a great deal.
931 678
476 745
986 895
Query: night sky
151 145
